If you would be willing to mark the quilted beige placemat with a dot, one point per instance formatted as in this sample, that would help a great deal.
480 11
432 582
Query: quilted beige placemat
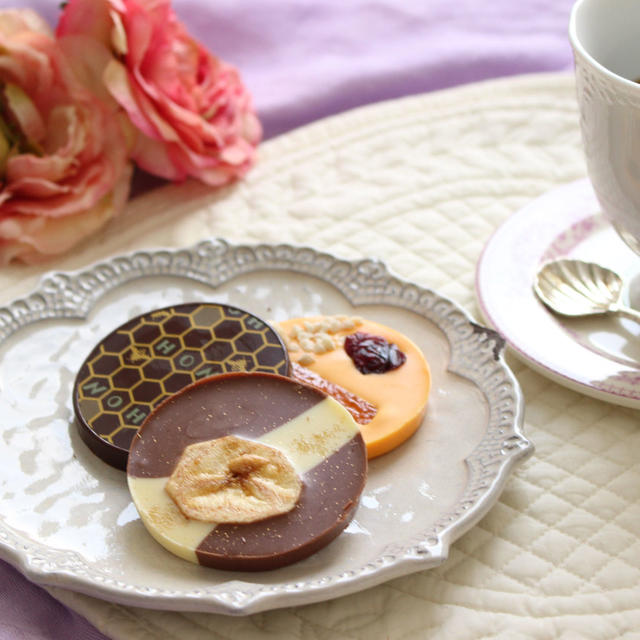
421 183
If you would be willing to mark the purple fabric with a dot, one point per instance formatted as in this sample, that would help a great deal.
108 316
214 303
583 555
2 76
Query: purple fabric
303 60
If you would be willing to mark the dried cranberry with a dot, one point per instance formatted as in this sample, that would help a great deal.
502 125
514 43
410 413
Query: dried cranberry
373 354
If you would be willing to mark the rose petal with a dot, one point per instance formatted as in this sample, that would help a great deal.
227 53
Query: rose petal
116 79
153 156
118 34
82 192
33 239
86 18
251 128
13 21
24 166
32 187
27 66
65 141
88 58
235 154
208 169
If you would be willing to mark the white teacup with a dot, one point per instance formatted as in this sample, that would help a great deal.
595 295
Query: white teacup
605 36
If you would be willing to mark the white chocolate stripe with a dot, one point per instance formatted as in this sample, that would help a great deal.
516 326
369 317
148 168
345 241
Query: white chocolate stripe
164 520
314 435
306 440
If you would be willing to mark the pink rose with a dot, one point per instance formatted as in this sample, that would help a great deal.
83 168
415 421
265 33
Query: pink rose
63 159
192 114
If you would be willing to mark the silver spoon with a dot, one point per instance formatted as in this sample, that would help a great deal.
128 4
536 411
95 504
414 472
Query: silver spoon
577 288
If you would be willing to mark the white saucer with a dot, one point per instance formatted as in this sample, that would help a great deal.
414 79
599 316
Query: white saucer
598 356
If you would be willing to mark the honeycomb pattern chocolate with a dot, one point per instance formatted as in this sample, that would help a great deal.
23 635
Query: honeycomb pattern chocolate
157 354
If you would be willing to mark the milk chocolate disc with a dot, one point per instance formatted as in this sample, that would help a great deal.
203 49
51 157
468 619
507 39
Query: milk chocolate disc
315 432
155 355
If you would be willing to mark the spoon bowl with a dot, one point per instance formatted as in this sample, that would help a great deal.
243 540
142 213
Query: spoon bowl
577 288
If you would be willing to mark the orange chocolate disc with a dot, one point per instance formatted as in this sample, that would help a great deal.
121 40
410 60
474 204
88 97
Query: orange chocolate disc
398 396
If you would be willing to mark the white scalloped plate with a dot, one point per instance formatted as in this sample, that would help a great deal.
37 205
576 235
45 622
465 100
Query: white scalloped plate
66 518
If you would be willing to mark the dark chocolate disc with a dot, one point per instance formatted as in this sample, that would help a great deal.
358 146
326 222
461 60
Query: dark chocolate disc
315 432
156 354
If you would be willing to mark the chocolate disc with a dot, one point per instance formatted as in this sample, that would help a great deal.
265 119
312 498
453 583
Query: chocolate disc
317 435
155 355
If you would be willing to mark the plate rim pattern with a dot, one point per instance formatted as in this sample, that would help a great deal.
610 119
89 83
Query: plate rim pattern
476 353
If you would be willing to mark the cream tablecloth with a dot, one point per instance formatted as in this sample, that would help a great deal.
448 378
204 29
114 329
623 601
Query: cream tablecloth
421 183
